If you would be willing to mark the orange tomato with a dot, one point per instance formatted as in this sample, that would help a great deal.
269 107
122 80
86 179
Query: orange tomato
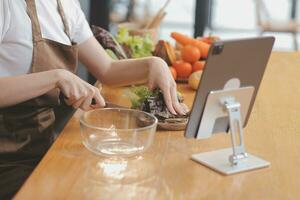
183 69
198 66
190 53
173 72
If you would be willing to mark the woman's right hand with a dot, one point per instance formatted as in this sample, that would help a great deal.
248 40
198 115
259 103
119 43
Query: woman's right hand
78 93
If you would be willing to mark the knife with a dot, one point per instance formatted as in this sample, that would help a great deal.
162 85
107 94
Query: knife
107 103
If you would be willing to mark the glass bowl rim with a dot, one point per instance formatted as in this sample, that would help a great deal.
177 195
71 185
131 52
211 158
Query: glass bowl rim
117 129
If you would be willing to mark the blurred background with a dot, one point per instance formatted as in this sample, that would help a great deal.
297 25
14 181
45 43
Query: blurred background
224 18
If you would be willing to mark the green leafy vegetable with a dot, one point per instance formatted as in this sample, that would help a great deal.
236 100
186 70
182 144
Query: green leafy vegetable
111 54
138 95
141 46
123 36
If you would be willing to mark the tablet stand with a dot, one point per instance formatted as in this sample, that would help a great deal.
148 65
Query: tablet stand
232 160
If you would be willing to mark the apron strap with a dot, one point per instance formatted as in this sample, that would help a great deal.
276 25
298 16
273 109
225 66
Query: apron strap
64 19
36 29
32 13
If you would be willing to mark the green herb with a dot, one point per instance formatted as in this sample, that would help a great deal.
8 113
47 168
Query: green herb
141 46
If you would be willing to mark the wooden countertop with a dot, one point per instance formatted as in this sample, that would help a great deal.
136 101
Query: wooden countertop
69 171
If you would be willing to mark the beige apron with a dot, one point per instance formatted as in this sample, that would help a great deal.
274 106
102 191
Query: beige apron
27 128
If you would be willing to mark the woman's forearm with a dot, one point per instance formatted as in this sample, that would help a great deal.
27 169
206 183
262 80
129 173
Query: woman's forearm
126 72
17 89
108 71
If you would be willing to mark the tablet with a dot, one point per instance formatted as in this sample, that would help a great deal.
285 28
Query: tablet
230 64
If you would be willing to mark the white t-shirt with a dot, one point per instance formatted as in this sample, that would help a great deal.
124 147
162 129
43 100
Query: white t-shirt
16 31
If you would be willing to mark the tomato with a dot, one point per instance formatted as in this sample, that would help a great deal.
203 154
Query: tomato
173 72
190 53
198 66
183 69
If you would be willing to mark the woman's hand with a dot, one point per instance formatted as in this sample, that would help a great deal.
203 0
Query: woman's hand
160 76
78 93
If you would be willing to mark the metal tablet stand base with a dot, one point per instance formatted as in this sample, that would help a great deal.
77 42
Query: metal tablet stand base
235 159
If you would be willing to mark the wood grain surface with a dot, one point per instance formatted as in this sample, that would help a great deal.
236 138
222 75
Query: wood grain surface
165 171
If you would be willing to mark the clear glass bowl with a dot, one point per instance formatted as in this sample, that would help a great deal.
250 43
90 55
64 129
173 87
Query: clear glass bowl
117 131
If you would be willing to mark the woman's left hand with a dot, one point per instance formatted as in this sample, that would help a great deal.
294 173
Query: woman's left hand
160 76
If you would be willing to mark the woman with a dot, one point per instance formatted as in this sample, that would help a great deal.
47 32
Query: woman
40 44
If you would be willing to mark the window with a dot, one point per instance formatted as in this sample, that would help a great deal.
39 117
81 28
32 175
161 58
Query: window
237 18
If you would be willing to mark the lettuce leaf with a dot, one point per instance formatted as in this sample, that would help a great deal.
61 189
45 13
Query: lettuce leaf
141 46
138 94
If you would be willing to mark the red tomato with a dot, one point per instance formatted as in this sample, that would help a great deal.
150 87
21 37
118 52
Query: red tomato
198 66
190 53
183 69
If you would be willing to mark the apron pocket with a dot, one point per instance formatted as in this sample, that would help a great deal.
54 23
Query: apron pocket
27 131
